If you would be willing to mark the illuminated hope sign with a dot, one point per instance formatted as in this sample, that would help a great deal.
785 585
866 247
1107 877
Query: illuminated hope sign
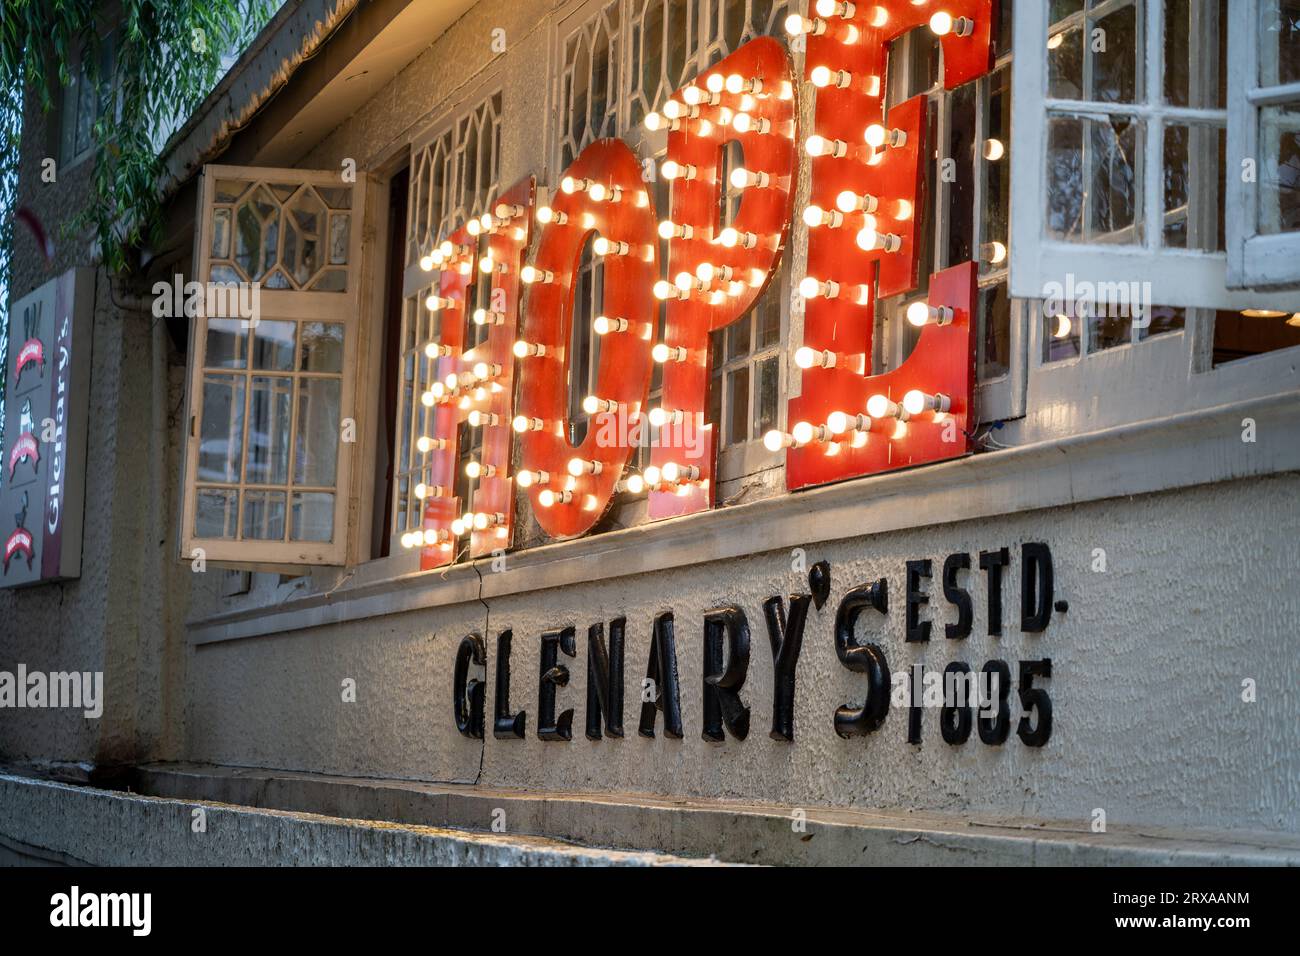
866 196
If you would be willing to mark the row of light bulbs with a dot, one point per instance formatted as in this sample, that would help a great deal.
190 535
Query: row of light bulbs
844 427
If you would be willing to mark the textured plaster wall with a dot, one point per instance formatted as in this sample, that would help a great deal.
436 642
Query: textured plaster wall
117 617
1146 686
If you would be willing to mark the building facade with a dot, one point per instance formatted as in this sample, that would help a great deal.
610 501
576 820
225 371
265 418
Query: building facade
689 400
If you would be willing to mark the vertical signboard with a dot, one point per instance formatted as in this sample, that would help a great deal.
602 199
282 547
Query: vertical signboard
46 397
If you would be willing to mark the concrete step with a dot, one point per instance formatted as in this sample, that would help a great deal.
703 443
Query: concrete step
48 823
726 831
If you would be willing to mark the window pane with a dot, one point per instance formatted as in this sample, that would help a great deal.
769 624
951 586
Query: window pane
227 345
738 396
1239 335
1107 332
216 513
1196 71
1279 174
997 168
313 517
268 431
738 338
768 395
273 344
1117 62
1279 42
264 515
961 192
1092 179
322 347
1065 63
221 434
316 449
1194 187
1165 319
1060 337
995 338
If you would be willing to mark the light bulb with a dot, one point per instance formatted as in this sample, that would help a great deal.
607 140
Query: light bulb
545 214
659 417
841 422
805 433
671 230
807 358
1063 327
674 170
994 150
796 25
849 201
603 325
777 440
531 274
835 8
584 466
486 370
425 444
877 136
879 406
570 185
597 192
730 238
427 399
594 405
524 349
474 469
663 290
526 478
434 350
870 240
824 76
995 253
821 146
547 498
916 401
811 288
744 123
921 313
484 317
480 419
435 303
942 24
610 247
742 178
663 353
815 216
473 227
634 484
674 473
426 262
508 211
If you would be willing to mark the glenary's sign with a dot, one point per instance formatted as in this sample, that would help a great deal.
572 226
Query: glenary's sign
863 217
46 391
967 696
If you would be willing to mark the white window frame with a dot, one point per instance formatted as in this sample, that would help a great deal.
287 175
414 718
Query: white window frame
1254 259
1178 277
284 556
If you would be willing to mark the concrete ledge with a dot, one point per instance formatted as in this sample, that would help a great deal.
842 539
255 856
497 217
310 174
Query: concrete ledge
52 823
732 832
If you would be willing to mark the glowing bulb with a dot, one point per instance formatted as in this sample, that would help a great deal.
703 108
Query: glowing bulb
942 24
1055 40
835 8
796 25
744 123
545 214
674 170
604 325
524 349
777 440
479 419
994 150
664 353
815 216
994 252
807 358
869 240
879 406
530 274
921 313
916 402
811 288
426 262
730 238
659 417
821 146
634 484
1063 327
849 201
474 469
742 178
610 247
526 478
584 466
597 192
523 423
671 230
877 136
